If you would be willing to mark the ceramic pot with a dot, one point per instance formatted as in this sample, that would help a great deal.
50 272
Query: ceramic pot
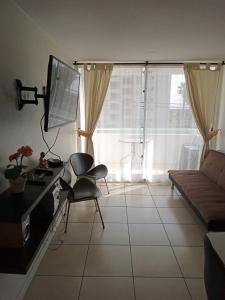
17 185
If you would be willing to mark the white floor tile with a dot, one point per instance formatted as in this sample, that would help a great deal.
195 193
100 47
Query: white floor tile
112 200
156 261
162 191
196 218
161 289
107 288
177 215
137 191
160 183
116 184
116 189
63 260
107 260
168 201
197 288
82 214
77 233
185 235
112 234
103 190
84 203
53 288
143 215
191 261
136 184
108 271
112 215
139 201
148 234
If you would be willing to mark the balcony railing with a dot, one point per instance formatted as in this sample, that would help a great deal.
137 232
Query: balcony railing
132 152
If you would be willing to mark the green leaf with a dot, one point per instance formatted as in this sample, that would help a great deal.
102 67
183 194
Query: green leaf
12 173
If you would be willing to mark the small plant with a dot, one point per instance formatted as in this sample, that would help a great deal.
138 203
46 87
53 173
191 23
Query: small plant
15 170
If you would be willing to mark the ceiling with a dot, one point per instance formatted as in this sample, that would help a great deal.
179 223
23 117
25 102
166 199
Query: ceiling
132 30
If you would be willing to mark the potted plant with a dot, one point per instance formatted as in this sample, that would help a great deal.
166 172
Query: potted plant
14 172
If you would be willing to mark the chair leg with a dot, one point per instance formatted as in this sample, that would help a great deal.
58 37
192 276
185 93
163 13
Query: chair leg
65 208
96 206
103 225
106 185
68 210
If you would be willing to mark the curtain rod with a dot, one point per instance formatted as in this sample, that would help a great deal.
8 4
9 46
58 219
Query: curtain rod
76 63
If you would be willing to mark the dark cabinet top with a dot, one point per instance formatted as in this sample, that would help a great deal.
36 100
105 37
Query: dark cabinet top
16 207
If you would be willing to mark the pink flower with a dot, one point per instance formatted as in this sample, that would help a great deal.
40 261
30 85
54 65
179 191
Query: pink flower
14 156
13 171
25 151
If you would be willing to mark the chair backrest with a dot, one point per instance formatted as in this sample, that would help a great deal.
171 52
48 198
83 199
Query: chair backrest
67 176
81 163
66 187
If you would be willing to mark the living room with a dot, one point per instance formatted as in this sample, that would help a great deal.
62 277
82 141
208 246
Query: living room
167 34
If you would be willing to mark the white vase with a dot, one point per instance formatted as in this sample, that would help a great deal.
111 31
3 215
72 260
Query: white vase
17 185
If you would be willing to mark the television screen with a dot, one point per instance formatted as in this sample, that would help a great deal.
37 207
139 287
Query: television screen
62 94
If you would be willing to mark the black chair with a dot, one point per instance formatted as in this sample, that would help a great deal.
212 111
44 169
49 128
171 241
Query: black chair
67 176
81 164
83 190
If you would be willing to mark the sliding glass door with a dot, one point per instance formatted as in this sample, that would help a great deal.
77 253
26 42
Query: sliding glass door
118 139
146 126
172 140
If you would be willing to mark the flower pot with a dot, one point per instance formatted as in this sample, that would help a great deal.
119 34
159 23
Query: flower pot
17 185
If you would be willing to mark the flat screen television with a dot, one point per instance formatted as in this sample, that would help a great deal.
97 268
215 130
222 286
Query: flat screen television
62 94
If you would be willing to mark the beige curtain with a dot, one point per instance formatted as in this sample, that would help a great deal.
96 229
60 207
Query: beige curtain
202 84
96 81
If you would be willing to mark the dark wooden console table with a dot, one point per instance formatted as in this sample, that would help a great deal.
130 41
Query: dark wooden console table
15 209
214 269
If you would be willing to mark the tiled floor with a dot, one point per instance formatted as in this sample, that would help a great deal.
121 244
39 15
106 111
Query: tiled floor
151 249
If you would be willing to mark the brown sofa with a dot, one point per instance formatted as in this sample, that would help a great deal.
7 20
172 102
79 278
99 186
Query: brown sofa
205 189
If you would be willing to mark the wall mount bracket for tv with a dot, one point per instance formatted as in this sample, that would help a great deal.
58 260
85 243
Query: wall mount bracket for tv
20 89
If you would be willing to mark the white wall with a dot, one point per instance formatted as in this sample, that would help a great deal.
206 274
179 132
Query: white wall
24 54
221 125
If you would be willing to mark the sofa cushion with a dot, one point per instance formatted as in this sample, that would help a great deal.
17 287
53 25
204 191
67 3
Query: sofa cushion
221 179
189 179
211 212
197 187
213 165
206 196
